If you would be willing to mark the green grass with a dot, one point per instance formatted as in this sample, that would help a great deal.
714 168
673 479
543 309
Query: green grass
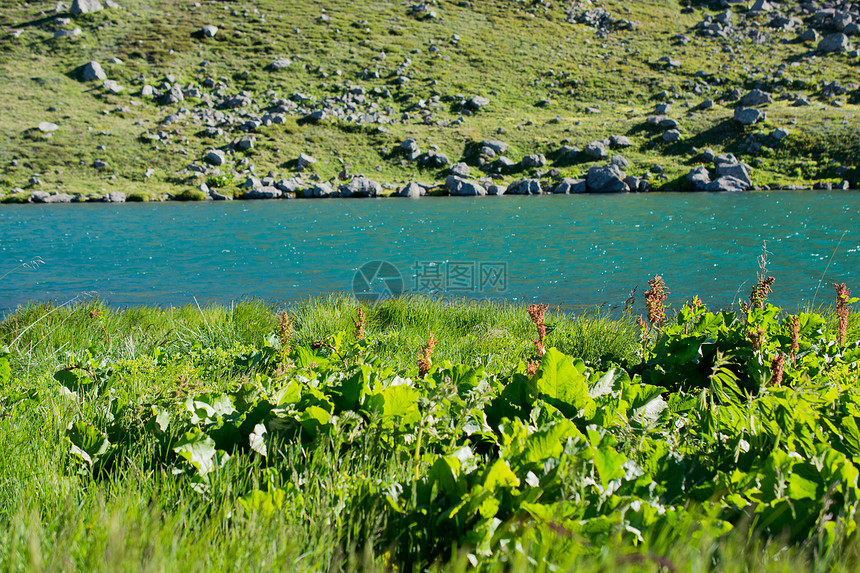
513 53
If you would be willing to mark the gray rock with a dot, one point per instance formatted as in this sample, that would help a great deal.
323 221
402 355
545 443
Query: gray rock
267 192
360 186
669 123
761 6
606 180
723 158
496 190
68 33
92 71
619 141
620 161
534 160
215 157
497 146
672 136
662 108
477 103
38 197
99 164
596 149
738 171
316 116
209 31
172 96
809 35
412 190
841 20
409 147
779 133
726 184
289 186
147 91
460 170
304 160
698 177
58 198
851 29
433 158
525 187
461 187
756 97
246 143
218 196
568 186
748 115
834 43
84 6
280 64
708 155
48 127
251 182
112 87
114 197
706 104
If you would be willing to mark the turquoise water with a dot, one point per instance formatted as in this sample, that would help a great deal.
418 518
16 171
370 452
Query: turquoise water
578 251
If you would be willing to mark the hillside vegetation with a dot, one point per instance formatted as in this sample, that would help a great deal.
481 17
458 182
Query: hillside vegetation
231 94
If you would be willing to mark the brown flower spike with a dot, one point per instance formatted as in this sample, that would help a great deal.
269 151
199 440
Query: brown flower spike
285 331
359 321
843 294
425 357
536 312
655 299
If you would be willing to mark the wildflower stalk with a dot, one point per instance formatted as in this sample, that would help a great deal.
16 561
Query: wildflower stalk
359 321
536 313
843 309
777 367
285 333
655 301
425 356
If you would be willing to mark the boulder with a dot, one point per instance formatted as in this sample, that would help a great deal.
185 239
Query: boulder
433 158
172 96
360 186
84 6
320 190
412 190
409 148
209 31
596 150
48 127
462 187
477 103
534 160
215 157
114 197
525 187
280 64
737 170
608 179
38 197
834 43
756 97
460 170
267 192
496 145
496 190
619 141
58 198
304 160
809 35
726 184
748 115
92 71
620 161
698 177
568 186
245 143
780 133
672 136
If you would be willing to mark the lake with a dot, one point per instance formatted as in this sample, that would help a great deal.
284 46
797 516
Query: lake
577 251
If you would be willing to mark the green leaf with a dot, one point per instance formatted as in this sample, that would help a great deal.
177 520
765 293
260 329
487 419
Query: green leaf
313 419
804 482
608 464
258 440
399 401
198 449
88 443
499 474
562 383
5 368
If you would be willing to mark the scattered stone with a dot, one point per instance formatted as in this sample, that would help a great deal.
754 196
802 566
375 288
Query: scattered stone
215 157
433 159
726 184
698 177
68 33
748 115
460 170
669 123
834 43
535 160
596 149
92 71
360 186
477 103
409 148
280 64
84 6
569 186
113 87
99 164
209 31
525 187
608 179
38 197
706 104
463 188
172 96
756 97
620 141
672 136
496 190
620 161
497 146
48 127
267 192
662 108
737 170
304 161
809 35
114 197
246 143
412 190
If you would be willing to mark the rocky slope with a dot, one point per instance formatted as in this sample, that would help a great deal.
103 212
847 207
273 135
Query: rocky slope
154 100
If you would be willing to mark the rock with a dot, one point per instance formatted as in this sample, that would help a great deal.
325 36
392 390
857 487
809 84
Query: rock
779 133
38 197
461 187
304 160
316 116
409 147
433 158
761 6
748 115
58 198
706 104
113 87
245 143
251 182
320 190
497 146
724 158
620 161
726 184
209 31
218 196
99 164
496 190
412 190
92 71
267 192
698 177
669 123
756 97
68 33
568 186
596 149
84 6
619 141
172 96
48 127
460 170
360 186
834 43
606 180
114 197
738 171
525 187
477 103
534 160
280 64
672 136
662 108
215 157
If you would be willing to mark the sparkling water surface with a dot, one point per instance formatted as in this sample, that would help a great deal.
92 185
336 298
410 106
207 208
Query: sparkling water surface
578 251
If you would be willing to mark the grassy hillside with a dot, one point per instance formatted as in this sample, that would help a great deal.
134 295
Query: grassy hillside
550 82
